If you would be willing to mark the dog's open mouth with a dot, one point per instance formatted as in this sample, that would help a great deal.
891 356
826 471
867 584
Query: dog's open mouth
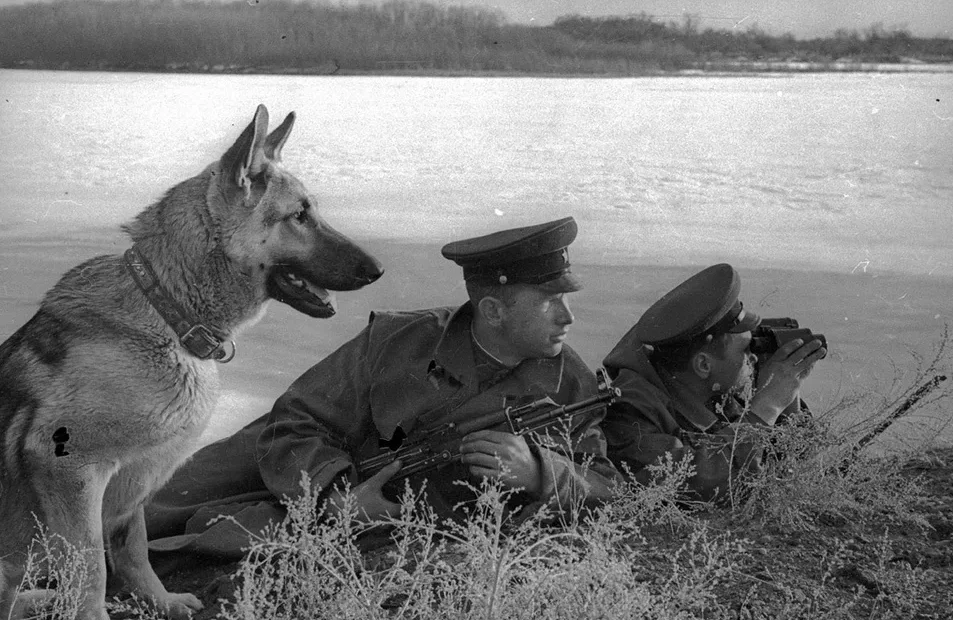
289 287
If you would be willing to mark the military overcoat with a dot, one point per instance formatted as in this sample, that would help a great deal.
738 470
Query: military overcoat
405 370
653 418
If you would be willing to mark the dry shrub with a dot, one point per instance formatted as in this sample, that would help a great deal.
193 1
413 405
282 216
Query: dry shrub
811 474
821 469
55 579
490 565
661 501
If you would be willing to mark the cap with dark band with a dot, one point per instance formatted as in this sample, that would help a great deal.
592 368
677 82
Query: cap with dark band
706 303
537 255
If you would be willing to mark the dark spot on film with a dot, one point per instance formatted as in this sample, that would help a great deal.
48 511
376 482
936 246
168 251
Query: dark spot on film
60 437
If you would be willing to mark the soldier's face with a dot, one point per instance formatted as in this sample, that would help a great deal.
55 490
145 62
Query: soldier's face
733 370
536 322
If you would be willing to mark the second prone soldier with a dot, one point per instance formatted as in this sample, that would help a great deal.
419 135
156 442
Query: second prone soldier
684 370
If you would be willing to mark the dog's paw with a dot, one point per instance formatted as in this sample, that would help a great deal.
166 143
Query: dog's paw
180 606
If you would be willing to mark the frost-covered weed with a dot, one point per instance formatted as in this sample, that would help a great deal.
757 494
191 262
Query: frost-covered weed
54 563
491 565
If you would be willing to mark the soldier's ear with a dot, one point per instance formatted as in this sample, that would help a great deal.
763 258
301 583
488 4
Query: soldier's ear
492 310
702 364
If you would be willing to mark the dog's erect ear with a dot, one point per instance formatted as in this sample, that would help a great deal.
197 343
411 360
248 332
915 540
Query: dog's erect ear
278 137
246 157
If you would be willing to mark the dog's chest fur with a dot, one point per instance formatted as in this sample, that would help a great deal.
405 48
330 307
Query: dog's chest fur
187 404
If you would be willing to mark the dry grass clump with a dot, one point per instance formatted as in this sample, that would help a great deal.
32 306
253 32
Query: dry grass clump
490 565
811 475
817 468
54 580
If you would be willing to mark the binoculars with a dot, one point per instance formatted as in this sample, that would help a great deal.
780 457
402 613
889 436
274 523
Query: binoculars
772 334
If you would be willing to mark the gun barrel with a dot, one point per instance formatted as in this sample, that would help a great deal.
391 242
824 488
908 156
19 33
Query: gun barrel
535 420
900 411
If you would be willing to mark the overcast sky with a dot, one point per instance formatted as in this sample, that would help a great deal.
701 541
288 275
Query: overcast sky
803 18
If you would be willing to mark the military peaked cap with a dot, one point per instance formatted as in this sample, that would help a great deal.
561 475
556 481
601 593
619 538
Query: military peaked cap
706 303
535 255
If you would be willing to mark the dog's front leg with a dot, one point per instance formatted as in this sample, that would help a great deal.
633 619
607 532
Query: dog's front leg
10 577
72 511
128 549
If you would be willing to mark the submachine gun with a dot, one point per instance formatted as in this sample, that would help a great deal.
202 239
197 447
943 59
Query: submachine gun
440 445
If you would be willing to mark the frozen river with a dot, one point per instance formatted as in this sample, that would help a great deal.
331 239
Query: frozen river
831 193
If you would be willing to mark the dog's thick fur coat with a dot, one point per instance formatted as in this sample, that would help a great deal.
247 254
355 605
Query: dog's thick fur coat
99 400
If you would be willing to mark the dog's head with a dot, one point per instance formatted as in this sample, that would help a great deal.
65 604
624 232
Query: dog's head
271 228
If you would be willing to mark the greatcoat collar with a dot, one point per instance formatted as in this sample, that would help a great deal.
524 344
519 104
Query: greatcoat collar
454 355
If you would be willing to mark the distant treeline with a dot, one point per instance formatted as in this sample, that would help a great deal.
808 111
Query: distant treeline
320 37
874 45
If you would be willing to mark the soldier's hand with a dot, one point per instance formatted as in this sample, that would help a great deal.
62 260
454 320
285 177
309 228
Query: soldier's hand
371 503
489 453
780 377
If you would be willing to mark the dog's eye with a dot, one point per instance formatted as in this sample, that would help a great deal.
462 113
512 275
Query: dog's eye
302 213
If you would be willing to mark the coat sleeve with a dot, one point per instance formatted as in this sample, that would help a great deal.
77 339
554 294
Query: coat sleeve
574 468
720 456
580 473
316 424
636 442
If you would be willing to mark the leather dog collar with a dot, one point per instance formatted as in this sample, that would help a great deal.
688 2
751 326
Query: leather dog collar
197 339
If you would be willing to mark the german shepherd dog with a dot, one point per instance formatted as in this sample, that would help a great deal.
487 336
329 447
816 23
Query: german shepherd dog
106 390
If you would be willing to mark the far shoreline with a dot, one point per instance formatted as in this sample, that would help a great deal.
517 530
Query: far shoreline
707 69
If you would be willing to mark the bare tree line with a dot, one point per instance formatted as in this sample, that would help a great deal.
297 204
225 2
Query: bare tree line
282 35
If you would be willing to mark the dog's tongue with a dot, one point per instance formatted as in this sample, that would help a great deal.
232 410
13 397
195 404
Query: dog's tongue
301 295
320 303
327 298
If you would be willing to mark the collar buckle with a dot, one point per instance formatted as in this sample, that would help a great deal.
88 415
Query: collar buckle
203 344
